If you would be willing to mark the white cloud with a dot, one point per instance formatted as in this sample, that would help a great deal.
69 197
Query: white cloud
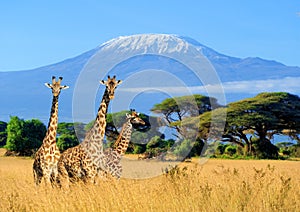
288 84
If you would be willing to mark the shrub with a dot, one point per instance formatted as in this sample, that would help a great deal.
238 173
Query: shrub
183 149
3 133
221 149
66 141
138 149
24 137
295 151
230 150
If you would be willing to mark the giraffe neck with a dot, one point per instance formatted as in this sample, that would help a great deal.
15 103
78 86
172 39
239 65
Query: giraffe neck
52 125
123 139
98 130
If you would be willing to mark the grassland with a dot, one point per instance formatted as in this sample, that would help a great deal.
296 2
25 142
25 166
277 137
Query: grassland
216 185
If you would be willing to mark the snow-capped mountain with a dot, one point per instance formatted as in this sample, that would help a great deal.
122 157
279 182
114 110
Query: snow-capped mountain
147 44
152 67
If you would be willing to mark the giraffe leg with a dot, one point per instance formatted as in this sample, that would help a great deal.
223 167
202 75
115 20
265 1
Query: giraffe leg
47 177
62 176
37 172
90 175
37 175
118 172
54 176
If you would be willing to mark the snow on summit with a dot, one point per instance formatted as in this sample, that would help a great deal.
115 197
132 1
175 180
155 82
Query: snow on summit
148 43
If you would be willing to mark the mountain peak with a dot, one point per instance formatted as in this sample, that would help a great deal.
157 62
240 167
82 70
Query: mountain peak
148 43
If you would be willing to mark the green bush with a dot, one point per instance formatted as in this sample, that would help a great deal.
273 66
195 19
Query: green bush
3 133
286 152
138 149
66 141
157 142
230 150
295 151
24 137
220 150
69 134
183 149
154 142
157 145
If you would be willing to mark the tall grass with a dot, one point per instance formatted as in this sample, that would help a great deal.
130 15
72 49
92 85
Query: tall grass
215 186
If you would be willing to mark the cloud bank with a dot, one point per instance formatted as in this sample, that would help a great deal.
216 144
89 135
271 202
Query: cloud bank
288 84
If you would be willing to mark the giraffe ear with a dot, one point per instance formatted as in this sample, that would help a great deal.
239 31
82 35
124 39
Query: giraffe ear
102 82
119 82
48 85
64 87
128 115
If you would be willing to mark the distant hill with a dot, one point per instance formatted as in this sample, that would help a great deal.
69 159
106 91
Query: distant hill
24 95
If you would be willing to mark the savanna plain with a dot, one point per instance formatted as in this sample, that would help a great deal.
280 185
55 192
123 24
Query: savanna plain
199 185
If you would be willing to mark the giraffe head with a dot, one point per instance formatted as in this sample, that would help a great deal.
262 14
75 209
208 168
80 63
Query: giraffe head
134 118
111 84
55 86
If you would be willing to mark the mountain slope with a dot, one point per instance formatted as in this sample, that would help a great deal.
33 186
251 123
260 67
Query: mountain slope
23 93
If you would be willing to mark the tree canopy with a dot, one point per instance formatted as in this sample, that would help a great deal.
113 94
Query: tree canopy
69 134
23 137
252 122
177 108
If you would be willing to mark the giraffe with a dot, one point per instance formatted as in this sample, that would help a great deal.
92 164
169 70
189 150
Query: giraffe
46 158
84 160
121 144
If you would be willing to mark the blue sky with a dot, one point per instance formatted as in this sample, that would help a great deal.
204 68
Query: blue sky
38 33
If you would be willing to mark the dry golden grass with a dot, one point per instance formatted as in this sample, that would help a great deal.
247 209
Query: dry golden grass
217 185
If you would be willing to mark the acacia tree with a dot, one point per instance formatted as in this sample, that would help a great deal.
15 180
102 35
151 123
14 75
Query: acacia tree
262 116
175 109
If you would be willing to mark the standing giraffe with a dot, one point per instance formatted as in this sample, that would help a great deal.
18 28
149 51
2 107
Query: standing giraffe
46 158
121 144
84 160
